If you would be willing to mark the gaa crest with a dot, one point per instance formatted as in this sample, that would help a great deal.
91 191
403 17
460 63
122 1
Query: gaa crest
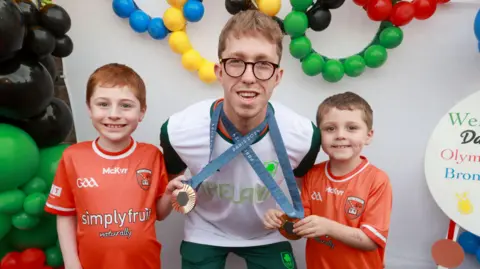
354 207
144 178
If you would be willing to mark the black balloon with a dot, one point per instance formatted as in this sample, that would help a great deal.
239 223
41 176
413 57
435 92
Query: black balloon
26 88
50 127
12 29
29 11
319 19
39 41
63 46
235 6
331 4
280 23
55 19
49 63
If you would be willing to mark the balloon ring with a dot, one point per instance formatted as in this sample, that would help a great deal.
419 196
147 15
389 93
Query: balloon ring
174 18
313 63
399 13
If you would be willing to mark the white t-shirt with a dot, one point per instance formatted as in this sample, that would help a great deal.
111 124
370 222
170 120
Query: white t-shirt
232 202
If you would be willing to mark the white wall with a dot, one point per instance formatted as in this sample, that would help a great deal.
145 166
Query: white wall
436 66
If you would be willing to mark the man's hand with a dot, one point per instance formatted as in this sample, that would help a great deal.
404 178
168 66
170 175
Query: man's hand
272 219
313 226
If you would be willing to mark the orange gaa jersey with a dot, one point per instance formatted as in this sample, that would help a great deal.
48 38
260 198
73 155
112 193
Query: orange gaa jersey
360 199
114 199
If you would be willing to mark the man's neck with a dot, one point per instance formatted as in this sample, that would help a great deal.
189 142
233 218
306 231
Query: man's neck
341 168
244 126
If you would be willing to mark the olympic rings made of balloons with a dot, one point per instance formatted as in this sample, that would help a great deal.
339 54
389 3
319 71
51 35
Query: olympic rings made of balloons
174 18
313 63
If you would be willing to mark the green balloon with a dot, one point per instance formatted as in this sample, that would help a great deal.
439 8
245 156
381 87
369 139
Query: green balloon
54 256
11 202
312 65
375 56
354 66
301 5
49 159
333 71
300 47
19 157
42 236
36 184
5 225
24 221
295 24
391 37
34 204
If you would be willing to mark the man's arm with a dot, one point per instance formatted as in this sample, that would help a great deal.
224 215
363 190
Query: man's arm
173 163
66 228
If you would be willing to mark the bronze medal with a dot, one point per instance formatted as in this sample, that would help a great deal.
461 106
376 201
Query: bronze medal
287 228
184 199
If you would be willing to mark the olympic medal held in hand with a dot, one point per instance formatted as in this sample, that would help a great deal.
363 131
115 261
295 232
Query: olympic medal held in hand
184 199
287 227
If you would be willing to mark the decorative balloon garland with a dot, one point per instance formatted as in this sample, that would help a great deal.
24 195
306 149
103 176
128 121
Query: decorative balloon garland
174 18
476 28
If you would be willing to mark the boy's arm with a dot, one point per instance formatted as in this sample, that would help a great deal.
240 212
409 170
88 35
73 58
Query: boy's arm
66 228
375 223
164 204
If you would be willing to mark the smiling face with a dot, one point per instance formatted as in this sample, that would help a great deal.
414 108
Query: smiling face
247 96
344 133
115 113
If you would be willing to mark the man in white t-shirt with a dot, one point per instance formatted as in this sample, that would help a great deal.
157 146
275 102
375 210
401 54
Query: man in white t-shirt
231 203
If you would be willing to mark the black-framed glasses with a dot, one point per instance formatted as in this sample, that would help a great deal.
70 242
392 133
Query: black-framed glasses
262 70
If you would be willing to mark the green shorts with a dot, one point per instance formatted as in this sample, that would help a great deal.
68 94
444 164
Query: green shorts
272 256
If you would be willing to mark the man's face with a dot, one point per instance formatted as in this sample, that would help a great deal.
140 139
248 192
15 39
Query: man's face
247 94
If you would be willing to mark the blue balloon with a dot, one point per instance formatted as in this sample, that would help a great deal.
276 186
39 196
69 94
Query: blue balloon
157 29
123 8
469 242
193 10
139 21
476 28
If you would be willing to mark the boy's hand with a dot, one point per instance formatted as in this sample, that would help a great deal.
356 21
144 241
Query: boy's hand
313 226
174 184
272 219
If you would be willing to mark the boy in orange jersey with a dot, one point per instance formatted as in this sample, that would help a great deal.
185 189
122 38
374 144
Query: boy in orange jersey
109 192
347 200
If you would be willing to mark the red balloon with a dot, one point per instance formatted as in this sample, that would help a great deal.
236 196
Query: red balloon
33 258
48 267
442 1
424 9
361 3
11 261
379 10
402 13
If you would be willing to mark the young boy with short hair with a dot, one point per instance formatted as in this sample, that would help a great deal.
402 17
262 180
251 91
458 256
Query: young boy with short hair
347 200
109 192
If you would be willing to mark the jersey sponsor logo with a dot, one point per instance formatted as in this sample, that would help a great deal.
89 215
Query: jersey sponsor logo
334 191
287 259
118 219
86 183
316 196
326 240
229 192
114 171
55 190
354 207
144 178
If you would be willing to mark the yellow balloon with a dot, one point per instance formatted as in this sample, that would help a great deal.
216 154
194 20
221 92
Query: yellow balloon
177 3
206 73
192 60
179 42
173 19
269 7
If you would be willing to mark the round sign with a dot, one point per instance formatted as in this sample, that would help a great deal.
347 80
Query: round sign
452 164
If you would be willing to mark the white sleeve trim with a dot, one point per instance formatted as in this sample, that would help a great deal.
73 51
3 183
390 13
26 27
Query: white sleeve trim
60 208
375 232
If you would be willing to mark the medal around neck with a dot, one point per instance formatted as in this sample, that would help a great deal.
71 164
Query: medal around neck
287 227
184 199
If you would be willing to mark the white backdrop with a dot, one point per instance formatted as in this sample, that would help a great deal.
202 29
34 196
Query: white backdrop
436 66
